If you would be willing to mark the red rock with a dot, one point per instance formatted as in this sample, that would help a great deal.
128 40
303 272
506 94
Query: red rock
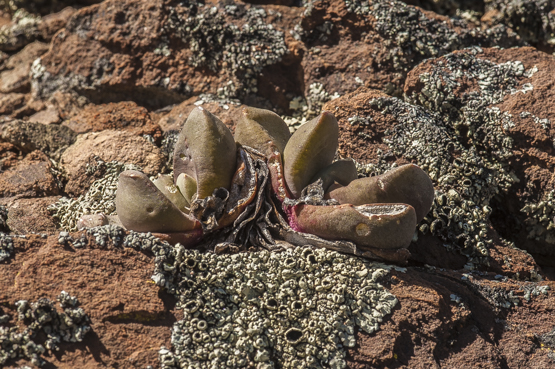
29 136
30 177
97 50
15 77
8 155
348 47
30 215
124 116
48 116
467 333
130 318
11 102
109 145
54 22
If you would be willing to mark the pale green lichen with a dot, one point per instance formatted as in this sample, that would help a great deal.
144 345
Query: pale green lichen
99 199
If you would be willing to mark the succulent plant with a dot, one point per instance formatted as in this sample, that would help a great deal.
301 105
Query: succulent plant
265 188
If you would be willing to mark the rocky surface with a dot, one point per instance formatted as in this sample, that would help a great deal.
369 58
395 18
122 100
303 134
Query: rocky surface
463 89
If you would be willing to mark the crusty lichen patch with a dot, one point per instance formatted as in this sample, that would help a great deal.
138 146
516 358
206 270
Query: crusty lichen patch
239 51
100 198
6 246
22 30
291 309
304 109
297 308
540 220
460 141
42 316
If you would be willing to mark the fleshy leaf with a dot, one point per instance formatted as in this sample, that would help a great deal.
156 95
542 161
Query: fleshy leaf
275 167
260 129
375 226
407 184
187 186
311 148
342 171
142 207
205 150
165 184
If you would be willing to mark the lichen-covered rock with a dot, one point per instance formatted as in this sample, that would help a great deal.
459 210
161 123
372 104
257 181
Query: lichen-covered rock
22 30
533 20
490 100
28 136
113 289
264 307
353 43
173 53
98 199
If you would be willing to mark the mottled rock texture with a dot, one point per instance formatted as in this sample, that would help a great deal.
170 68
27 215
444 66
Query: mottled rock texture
464 89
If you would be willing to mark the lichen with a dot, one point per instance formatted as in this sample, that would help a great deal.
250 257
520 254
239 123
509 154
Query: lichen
540 218
6 247
533 20
98 199
306 108
42 316
288 309
460 142
411 36
295 308
22 30
214 41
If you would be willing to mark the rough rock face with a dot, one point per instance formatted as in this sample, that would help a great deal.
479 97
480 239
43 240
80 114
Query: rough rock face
463 89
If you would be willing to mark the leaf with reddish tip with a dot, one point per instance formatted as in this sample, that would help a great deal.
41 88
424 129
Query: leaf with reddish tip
165 184
379 226
275 166
407 184
260 129
205 150
311 148
342 171
142 207
187 186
